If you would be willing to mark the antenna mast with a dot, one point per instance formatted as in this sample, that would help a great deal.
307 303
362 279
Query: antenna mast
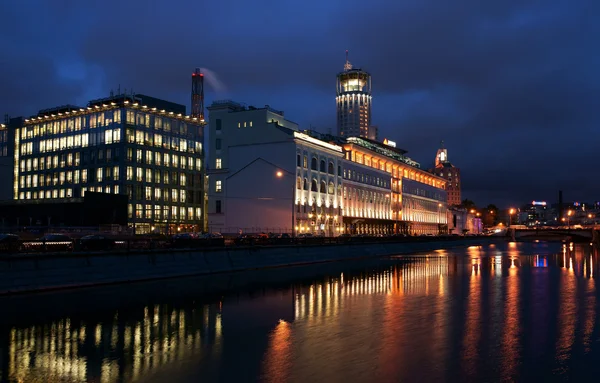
347 65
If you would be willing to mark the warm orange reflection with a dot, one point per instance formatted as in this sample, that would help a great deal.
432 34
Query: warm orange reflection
278 358
60 351
510 338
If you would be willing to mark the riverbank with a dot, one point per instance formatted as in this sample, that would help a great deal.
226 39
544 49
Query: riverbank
44 272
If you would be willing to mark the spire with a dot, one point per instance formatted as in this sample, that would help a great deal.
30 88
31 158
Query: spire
442 144
347 65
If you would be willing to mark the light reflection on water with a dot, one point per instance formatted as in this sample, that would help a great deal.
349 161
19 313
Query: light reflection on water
499 312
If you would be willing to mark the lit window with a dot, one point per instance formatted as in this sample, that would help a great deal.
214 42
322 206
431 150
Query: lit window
218 163
218 186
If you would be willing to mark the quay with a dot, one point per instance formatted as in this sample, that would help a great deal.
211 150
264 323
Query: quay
25 273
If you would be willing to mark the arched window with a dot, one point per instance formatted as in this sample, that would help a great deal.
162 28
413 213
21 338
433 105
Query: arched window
313 185
323 187
339 170
298 160
322 166
331 189
305 185
330 168
313 163
339 190
299 183
305 162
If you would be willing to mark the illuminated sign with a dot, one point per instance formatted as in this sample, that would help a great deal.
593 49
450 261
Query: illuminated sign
538 203
389 143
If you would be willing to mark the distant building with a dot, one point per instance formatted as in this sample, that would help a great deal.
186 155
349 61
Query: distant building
461 221
443 168
136 145
353 99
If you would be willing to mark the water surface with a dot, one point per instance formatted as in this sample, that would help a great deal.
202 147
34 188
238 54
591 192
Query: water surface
494 313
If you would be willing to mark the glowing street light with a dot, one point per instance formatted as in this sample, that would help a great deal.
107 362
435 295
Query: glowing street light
279 174
510 213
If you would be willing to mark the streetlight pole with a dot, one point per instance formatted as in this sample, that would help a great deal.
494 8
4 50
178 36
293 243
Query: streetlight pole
510 213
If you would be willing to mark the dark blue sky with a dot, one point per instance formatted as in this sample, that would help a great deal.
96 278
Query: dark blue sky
511 86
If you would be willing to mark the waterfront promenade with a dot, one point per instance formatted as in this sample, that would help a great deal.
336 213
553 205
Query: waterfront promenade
22 273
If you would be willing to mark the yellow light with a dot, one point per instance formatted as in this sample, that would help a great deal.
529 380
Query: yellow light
279 174
512 211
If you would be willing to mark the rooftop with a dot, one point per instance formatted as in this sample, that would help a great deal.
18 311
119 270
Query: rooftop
240 107
135 101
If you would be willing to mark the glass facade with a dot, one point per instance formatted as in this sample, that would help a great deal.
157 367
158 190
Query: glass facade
155 157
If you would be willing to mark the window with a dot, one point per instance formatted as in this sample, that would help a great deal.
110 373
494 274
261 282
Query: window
305 163
218 163
339 170
298 160
313 163
218 206
313 185
330 168
322 167
218 144
218 186
323 187
218 124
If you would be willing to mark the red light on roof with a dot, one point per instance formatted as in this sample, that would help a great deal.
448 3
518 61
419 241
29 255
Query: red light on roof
201 74
193 74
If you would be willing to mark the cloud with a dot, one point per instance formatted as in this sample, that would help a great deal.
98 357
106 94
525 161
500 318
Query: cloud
510 85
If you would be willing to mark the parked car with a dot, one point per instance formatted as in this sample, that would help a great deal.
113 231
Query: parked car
53 242
9 243
96 242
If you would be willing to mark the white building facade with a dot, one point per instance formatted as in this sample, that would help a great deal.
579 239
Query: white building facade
266 176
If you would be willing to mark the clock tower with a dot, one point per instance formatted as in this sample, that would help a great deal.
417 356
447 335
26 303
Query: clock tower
443 168
441 156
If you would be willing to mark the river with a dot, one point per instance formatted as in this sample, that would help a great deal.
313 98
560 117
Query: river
503 312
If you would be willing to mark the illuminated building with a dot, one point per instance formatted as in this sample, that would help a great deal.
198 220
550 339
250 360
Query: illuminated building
444 169
7 156
266 176
353 99
417 199
136 145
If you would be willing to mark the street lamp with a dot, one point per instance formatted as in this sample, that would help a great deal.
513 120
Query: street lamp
279 174
510 213
569 214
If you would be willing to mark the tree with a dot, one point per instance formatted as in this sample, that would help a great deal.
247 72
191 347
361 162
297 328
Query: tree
468 204
490 215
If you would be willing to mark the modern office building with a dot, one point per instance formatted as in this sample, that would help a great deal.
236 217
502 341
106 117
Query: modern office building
353 99
443 168
267 176
140 146
7 160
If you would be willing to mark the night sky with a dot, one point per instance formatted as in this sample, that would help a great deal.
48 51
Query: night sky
511 86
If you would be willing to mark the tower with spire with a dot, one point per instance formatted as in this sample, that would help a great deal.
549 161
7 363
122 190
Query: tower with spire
353 101
443 168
